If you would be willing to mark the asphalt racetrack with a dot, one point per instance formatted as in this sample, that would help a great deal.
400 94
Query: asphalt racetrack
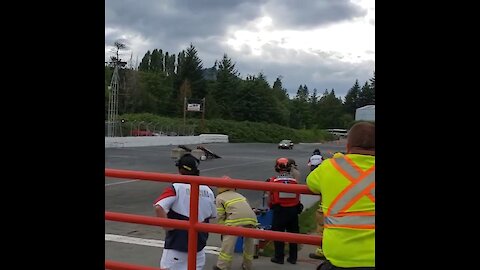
142 244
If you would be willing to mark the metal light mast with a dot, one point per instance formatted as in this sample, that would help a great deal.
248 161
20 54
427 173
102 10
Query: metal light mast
113 103
112 114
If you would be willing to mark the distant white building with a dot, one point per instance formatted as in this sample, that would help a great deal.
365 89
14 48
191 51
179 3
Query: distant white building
366 113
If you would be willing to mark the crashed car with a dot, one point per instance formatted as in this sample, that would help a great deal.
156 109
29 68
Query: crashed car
285 144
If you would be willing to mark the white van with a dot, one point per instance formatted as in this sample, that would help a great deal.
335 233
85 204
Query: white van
338 132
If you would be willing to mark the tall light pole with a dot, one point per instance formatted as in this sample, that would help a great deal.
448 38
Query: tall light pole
113 98
113 103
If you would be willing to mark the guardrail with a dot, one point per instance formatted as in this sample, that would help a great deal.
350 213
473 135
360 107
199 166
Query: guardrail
192 225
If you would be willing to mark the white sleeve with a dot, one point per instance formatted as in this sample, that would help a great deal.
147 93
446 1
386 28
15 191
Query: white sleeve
166 203
213 206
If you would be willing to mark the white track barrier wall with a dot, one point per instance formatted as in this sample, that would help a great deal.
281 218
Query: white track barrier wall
113 142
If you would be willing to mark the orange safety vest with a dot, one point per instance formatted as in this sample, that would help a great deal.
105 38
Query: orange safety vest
347 185
362 184
284 199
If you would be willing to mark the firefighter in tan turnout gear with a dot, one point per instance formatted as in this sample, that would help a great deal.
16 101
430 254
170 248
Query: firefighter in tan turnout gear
233 209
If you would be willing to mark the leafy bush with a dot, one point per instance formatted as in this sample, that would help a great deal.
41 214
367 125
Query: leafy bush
237 132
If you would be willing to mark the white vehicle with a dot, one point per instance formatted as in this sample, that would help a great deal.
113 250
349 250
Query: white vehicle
338 132
285 144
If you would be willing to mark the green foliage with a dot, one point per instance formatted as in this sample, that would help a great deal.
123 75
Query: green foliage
351 99
269 248
366 96
307 223
156 61
169 64
145 64
345 120
307 220
357 97
191 70
329 111
300 113
237 132
372 82
225 89
254 101
151 118
160 85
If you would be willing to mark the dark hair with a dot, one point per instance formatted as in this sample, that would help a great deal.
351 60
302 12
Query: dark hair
291 162
362 135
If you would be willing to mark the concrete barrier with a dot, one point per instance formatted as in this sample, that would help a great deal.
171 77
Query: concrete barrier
213 138
114 142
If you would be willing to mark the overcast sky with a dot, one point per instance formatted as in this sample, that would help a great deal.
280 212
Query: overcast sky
324 44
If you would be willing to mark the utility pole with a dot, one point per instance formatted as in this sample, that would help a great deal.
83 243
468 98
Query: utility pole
113 103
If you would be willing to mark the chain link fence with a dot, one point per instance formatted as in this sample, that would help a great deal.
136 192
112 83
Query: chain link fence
142 128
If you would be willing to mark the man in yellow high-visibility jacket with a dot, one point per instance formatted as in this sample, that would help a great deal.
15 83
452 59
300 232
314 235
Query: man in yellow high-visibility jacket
318 254
347 187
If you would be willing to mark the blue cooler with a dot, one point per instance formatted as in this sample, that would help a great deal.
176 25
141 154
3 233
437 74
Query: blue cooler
264 217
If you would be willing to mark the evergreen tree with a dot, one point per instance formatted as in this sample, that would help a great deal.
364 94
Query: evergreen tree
155 61
189 68
351 99
145 64
299 111
366 96
169 64
372 88
226 88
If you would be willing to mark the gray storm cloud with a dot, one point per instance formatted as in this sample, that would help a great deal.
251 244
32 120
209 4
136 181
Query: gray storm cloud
172 25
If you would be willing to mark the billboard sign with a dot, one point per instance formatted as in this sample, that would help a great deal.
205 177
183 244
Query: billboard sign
193 107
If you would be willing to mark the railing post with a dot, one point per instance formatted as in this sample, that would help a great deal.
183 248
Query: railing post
192 233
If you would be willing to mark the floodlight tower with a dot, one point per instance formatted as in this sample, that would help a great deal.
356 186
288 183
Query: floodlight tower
113 103
112 115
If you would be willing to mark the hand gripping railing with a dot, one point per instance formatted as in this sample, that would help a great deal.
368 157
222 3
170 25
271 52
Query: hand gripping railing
192 225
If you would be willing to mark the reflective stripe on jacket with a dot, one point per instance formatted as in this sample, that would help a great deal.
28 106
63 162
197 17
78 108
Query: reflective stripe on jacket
233 209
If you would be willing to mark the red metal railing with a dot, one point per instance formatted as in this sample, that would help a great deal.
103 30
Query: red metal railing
192 225
126 266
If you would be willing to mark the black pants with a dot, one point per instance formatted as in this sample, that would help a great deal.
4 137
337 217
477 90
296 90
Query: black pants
326 265
285 218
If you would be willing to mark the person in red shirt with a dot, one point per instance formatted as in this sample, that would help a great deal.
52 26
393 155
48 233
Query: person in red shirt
286 207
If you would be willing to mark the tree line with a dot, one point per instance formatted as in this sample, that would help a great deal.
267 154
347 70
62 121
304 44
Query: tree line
161 82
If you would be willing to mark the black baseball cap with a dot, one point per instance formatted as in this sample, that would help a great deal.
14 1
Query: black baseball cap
188 162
